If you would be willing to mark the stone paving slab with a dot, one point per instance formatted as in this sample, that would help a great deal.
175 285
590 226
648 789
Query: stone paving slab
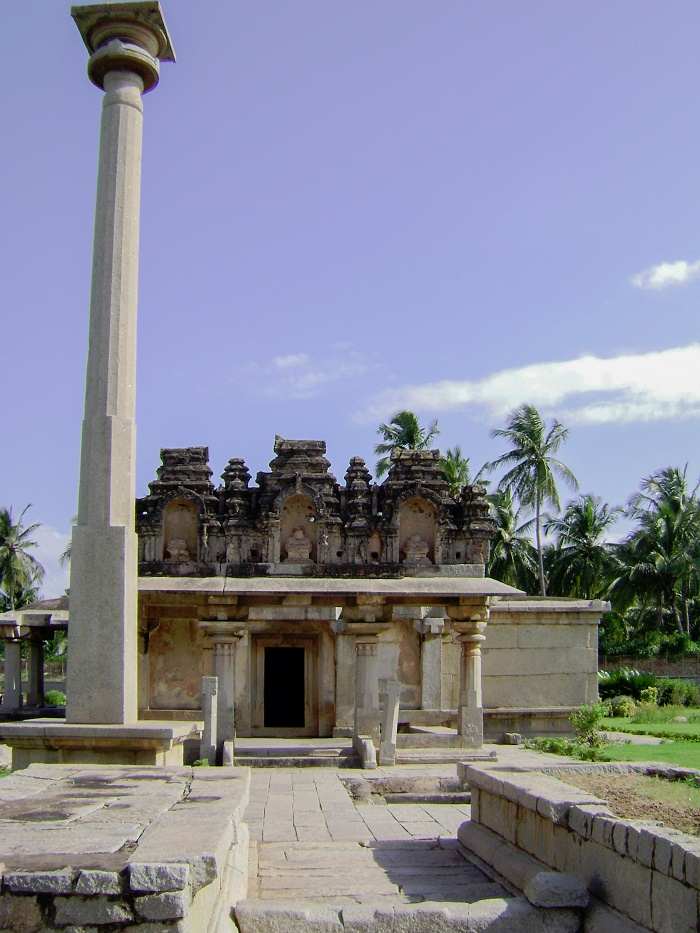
88 847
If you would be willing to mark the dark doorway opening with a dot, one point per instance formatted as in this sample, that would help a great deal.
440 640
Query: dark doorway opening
284 688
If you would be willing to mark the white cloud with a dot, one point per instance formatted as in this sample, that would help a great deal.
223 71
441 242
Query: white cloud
290 361
596 390
299 376
666 274
51 543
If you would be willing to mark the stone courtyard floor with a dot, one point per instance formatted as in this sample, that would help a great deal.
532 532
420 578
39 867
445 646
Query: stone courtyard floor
310 841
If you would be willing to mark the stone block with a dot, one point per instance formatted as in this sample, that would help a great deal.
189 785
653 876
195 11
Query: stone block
600 918
603 829
91 881
20 914
40 882
91 911
284 917
554 889
691 865
674 906
617 880
169 906
580 818
158 877
498 814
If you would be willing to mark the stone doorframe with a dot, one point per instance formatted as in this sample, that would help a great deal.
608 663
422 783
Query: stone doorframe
310 644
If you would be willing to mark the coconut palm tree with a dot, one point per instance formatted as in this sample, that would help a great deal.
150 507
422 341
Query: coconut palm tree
659 563
403 431
455 469
582 563
533 468
18 568
513 558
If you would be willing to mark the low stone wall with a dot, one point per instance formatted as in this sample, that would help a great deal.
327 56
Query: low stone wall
642 876
686 668
151 849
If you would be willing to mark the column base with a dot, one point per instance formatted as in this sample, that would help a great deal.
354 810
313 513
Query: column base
49 741
470 726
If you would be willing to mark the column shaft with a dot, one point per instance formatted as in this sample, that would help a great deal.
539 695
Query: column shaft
366 688
12 691
471 713
224 669
35 691
102 659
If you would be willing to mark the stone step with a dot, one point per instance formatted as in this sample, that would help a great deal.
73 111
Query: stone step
454 911
454 797
297 761
425 739
438 756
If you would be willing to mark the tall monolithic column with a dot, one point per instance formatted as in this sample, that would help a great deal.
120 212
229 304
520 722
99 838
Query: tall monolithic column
126 42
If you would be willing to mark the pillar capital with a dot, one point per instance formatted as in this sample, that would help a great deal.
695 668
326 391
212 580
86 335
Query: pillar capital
124 37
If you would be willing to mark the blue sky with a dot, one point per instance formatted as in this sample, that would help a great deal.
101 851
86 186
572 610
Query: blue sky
350 208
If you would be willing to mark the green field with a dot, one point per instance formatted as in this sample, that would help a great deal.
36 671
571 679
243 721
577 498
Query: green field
687 731
684 753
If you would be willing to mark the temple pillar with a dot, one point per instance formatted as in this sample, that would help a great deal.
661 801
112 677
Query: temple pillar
470 620
12 691
125 42
35 687
225 671
431 630
366 688
344 679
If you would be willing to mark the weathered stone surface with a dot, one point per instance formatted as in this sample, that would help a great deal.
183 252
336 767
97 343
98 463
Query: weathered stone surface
674 906
157 877
93 881
40 882
282 917
169 906
91 911
20 914
554 889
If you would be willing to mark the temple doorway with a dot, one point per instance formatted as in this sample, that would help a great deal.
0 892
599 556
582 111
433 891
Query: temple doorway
284 688
285 701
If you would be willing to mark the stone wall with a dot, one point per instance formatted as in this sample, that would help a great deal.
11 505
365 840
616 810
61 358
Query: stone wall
687 668
642 876
541 653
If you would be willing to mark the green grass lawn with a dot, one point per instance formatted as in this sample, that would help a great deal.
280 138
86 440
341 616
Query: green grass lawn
684 753
687 731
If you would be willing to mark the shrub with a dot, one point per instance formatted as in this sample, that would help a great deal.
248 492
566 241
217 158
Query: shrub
586 721
673 692
624 681
55 698
623 706
651 713
649 695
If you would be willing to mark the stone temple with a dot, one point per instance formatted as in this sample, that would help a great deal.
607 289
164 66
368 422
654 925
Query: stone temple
270 585
308 598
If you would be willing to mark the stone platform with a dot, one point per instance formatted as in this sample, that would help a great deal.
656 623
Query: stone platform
128 848
52 741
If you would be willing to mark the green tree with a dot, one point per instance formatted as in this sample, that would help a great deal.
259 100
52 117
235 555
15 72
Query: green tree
582 563
19 569
533 467
659 562
455 469
513 558
406 432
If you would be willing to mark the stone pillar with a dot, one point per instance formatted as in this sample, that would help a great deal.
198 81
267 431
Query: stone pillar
431 629
35 689
344 679
390 723
12 691
209 711
366 688
125 42
225 668
469 621
470 722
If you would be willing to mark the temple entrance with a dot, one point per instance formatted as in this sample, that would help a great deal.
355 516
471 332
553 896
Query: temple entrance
284 688
285 700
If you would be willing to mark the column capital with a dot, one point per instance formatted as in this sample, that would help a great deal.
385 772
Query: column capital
366 645
124 37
